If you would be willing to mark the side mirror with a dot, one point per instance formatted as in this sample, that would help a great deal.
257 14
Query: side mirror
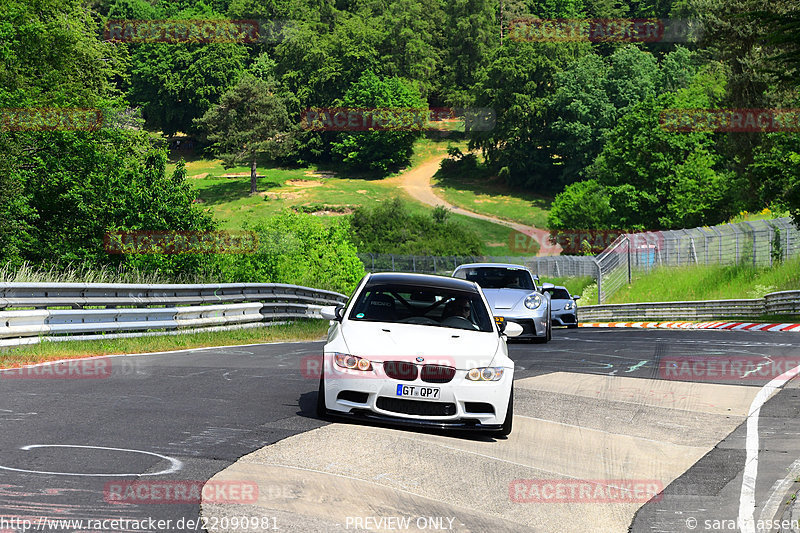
576 297
332 312
513 329
548 286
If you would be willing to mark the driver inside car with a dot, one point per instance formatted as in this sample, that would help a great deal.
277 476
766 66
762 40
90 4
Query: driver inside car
456 312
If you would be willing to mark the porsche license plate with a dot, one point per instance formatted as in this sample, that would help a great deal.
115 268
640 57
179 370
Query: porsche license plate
415 391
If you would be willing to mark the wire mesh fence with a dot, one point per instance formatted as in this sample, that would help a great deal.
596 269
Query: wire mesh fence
557 266
760 243
757 243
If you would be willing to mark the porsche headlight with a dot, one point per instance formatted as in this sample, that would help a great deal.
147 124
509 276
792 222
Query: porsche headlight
352 362
485 374
568 306
533 301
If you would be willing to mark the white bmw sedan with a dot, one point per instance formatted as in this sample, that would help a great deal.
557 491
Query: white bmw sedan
417 349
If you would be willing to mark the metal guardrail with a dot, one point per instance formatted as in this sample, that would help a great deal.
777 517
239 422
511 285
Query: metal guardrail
776 303
72 311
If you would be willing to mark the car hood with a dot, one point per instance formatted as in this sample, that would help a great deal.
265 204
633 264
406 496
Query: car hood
505 298
455 347
558 305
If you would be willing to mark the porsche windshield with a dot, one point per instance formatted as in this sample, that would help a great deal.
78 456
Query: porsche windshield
428 306
498 277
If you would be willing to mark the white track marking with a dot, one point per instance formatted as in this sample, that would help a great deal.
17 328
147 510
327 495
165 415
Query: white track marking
777 491
175 463
747 496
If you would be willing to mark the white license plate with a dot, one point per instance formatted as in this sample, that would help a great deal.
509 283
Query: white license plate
415 391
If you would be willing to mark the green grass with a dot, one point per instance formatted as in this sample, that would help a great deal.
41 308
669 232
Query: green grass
710 283
573 285
48 351
481 192
764 214
226 192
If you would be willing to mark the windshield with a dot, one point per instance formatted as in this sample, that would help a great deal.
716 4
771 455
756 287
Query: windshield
498 277
429 306
560 294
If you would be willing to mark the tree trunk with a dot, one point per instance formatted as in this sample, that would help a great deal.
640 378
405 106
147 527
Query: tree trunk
253 182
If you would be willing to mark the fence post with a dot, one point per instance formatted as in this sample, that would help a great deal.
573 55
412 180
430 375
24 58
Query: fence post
414 263
393 270
628 241
754 242
373 261
599 282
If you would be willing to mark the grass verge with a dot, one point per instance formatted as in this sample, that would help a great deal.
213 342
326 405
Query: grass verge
301 330
712 282
481 192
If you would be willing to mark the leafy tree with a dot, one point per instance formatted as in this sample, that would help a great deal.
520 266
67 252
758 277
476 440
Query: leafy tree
250 122
470 35
583 206
175 83
517 84
776 165
594 92
299 249
658 179
379 150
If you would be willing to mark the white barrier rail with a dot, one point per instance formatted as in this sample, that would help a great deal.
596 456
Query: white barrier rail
70 311
776 303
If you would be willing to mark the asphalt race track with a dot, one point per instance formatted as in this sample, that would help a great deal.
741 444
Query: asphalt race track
607 407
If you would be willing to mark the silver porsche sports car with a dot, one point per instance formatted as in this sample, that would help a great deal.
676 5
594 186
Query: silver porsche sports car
514 293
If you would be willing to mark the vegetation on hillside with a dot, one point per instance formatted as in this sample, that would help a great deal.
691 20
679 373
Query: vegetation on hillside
578 120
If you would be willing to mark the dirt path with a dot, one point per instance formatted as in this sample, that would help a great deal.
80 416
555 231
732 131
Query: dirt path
417 182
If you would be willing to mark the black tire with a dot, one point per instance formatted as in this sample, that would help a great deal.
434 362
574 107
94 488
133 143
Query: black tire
549 334
322 411
509 421
573 326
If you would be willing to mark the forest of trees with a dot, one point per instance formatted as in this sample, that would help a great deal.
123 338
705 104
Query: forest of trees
578 120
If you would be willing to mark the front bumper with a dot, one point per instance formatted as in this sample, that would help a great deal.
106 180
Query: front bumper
531 326
463 425
462 404
565 318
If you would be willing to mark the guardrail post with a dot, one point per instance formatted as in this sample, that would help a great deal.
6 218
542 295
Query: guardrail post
628 240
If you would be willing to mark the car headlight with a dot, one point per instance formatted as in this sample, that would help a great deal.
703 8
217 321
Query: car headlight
485 374
568 306
533 301
352 362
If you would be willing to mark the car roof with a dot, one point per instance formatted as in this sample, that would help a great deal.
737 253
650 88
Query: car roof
422 280
495 265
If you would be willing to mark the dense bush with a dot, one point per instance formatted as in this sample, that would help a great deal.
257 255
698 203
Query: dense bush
391 228
300 249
